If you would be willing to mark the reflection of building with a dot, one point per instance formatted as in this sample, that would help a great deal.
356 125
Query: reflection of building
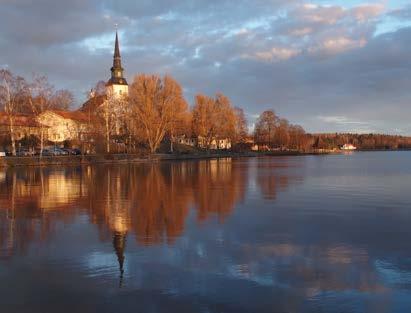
151 201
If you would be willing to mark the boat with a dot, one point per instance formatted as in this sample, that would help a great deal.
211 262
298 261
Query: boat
348 147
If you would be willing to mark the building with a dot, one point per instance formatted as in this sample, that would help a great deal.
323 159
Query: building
186 141
117 84
24 126
65 125
216 144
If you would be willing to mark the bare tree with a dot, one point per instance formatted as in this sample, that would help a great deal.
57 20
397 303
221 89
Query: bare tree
100 88
39 98
204 113
12 92
241 128
156 106
213 118
282 136
265 128
113 113
62 100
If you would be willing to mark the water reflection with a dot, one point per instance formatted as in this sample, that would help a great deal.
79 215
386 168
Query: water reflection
150 201
256 235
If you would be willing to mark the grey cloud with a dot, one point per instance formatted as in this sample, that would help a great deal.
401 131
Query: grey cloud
302 61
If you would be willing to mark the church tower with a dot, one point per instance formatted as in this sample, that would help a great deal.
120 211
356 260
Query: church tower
117 84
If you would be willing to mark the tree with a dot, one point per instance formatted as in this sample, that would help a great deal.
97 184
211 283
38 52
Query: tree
213 118
100 88
282 136
12 92
265 128
204 113
62 100
172 96
40 99
241 128
113 114
156 106
298 138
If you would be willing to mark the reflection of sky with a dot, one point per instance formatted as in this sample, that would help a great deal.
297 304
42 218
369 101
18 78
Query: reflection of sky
334 240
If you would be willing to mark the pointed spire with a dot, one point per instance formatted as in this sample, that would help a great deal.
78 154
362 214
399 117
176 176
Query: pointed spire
117 70
117 48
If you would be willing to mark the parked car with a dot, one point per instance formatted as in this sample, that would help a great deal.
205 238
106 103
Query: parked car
54 151
25 152
73 151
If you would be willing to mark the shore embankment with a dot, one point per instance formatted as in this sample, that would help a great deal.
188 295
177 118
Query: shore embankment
133 158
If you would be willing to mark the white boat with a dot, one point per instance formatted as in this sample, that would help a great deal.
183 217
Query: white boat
348 147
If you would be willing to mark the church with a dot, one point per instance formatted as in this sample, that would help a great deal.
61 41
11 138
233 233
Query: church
116 86
78 125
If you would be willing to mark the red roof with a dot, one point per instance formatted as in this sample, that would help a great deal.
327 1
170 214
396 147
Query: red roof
19 120
73 115
91 105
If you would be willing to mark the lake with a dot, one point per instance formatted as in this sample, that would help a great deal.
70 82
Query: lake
281 234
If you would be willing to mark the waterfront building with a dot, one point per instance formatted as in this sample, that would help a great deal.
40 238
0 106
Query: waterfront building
65 125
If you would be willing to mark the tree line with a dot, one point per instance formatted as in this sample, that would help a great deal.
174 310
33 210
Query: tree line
155 111
361 141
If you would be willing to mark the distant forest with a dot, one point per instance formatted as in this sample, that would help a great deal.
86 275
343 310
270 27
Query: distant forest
361 141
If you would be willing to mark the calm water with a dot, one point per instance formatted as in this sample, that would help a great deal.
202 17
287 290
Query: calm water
292 234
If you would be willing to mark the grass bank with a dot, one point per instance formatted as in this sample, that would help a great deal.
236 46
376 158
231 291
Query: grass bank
133 158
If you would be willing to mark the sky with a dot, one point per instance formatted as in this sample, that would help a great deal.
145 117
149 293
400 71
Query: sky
329 66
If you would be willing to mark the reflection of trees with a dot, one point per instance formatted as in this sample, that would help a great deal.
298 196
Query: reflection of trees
151 201
219 185
272 180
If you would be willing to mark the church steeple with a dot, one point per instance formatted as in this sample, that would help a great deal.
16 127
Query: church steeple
117 48
117 70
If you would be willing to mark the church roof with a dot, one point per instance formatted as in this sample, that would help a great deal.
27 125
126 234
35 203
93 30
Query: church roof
21 120
117 81
77 116
117 70
92 104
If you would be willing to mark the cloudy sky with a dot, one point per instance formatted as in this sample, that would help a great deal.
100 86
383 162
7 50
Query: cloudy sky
342 65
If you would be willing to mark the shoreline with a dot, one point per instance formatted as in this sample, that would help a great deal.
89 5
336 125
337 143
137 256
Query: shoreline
11 161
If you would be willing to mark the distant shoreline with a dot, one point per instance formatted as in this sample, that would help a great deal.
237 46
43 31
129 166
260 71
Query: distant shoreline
11 161
134 158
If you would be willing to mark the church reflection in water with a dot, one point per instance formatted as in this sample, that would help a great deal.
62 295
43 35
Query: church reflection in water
150 201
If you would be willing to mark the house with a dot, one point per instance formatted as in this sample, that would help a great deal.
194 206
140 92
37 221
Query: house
65 125
187 141
216 144
23 125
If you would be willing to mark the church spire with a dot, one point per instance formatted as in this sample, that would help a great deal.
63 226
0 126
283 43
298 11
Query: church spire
117 48
117 70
